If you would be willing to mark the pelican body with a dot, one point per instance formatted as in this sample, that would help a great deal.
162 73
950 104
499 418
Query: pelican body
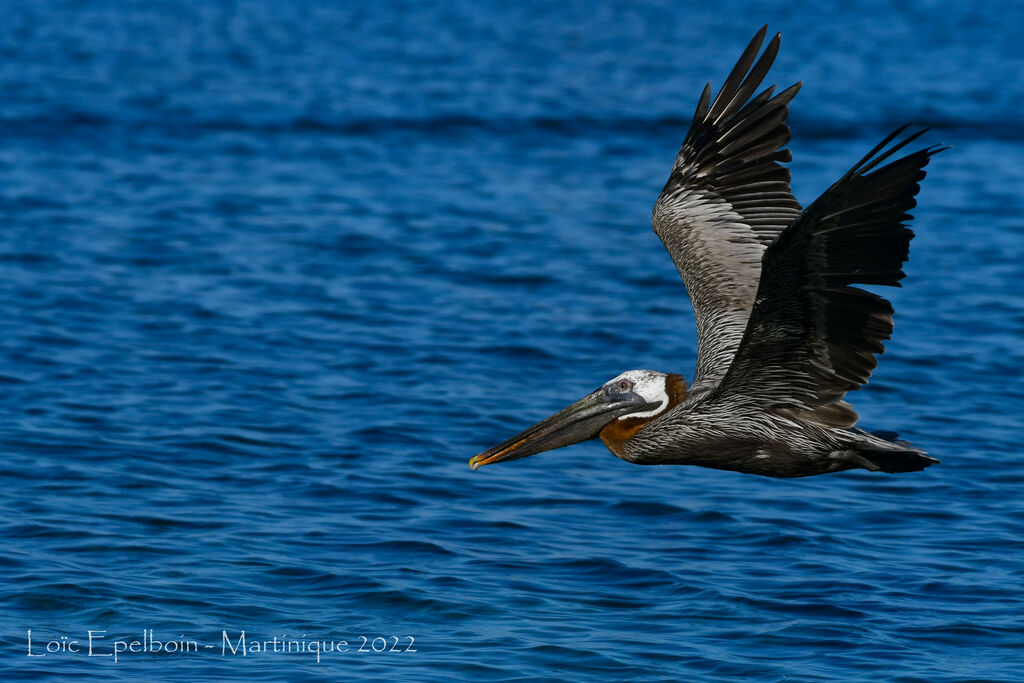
783 333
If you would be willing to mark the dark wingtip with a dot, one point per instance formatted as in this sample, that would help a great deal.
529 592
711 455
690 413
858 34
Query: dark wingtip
880 153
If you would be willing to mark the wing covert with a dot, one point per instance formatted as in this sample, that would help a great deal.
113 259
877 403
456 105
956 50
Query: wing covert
726 199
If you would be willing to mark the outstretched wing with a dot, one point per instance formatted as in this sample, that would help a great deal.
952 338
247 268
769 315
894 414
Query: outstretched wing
726 200
812 336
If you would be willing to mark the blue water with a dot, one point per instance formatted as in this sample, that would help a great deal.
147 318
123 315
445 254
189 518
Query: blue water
270 273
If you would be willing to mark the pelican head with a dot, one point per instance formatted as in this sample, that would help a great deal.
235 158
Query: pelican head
633 398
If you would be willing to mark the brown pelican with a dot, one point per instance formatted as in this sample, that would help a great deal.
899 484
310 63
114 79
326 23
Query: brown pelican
782 333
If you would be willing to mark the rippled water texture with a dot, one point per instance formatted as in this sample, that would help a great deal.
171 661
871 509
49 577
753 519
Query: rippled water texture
272 272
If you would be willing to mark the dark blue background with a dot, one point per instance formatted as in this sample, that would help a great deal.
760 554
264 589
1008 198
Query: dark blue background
271 273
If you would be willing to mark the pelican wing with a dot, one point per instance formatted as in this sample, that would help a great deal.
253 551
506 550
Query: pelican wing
812 335
726 200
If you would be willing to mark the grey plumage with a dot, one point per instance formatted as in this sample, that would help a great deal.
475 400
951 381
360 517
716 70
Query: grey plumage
726 199
783 332
808 337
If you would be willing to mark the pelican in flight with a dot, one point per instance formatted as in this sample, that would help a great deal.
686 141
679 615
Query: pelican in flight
782 331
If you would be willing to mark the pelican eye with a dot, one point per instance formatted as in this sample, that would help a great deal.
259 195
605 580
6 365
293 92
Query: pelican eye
624 385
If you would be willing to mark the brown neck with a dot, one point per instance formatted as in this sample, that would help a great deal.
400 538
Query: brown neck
675 387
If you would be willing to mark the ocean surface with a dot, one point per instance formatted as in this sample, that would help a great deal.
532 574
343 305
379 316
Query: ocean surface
270 273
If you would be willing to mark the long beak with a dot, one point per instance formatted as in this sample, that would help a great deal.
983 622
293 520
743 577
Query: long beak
581 421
